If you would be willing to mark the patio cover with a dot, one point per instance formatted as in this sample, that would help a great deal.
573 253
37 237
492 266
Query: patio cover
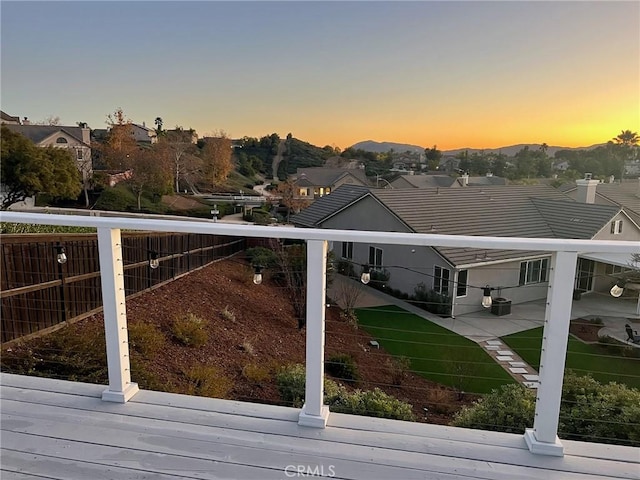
620 259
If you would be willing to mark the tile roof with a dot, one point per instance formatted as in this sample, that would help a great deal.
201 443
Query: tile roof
37 133
328 176
423 181
530 211
327 205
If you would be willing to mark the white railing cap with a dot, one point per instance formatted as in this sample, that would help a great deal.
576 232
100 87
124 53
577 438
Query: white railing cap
359 236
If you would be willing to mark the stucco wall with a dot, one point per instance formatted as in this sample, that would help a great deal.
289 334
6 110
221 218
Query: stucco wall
630 231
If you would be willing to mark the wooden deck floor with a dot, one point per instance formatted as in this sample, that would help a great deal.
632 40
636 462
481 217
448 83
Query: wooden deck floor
62 430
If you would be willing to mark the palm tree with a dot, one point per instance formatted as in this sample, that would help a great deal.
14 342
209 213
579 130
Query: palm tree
158 122
627 138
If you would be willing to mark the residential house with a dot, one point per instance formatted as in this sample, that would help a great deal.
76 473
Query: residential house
144 134
8 119
446 181
624 194
77 139
529 211
423 181
316 182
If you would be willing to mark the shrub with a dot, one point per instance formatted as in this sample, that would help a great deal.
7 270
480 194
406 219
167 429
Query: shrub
247 347
399 367
118 198
190 330
431 301
256 372
589 411
291 382
508 409
376 403
228 314
207 381
262 256
64 354
145 338
343 367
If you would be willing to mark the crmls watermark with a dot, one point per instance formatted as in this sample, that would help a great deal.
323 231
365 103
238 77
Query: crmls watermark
305 471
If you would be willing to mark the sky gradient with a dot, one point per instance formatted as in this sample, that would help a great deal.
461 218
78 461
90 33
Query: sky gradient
451 74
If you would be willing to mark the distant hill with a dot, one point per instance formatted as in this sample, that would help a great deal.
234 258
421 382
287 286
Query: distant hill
381 147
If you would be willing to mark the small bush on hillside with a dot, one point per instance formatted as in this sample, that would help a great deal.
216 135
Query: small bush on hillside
207 381
262 256
590 411
228 314
256 372
508 409
375 403
400 367
145 338
190 330
291 384
343 367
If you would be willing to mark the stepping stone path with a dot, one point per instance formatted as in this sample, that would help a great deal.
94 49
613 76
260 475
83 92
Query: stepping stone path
512 363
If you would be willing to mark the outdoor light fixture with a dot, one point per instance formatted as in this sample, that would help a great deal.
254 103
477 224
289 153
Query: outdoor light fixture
486 297
366 275
62 256
153 260
257 274
616 290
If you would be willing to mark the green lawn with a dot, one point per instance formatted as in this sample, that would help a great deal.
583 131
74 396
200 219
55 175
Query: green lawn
600 362
435 352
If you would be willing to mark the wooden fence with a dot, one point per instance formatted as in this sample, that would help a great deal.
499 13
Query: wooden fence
38 293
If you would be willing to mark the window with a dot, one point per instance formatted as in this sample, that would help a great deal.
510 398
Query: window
615 269
616 227
375 257
441 280
79 154
534 271
61 140
347 250
461 288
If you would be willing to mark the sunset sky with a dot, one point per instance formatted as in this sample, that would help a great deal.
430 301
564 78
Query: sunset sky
451 74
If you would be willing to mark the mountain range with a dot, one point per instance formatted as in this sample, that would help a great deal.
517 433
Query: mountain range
511 150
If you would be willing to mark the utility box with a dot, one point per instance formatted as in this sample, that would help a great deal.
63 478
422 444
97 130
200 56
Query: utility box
501 306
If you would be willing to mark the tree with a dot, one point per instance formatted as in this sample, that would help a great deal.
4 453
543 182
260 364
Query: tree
177 145
216 156
28 170
628 138
147 174
287 191
158 122
50 120
121 144
433 156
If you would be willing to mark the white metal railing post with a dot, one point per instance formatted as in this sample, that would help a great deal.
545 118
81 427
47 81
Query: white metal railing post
314 413
115 316
543 437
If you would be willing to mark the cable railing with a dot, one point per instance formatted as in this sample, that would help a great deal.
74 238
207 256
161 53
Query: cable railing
397 365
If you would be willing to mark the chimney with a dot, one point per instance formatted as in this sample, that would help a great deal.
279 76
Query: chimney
586 189
465 179
612 178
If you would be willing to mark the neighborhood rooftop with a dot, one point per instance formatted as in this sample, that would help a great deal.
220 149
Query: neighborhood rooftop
529 211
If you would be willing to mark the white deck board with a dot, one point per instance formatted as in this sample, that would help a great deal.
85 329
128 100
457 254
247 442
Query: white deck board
55 429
